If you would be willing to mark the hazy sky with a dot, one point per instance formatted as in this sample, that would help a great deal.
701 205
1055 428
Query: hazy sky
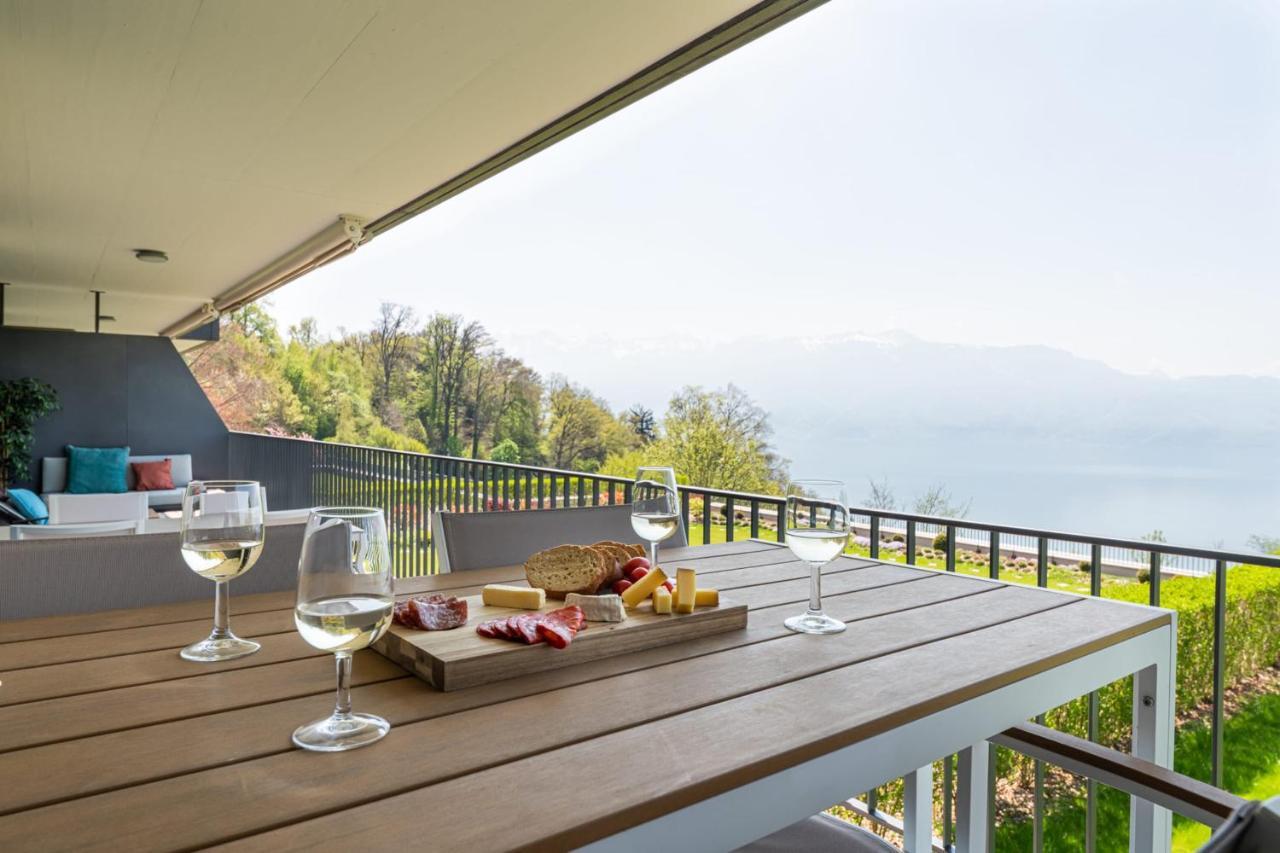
1102 177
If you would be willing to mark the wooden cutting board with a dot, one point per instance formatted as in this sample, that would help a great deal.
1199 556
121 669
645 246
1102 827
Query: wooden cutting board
452 660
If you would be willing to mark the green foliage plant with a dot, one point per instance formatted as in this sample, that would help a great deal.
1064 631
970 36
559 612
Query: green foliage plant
22 402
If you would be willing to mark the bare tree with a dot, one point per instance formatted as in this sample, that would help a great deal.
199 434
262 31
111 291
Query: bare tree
937 501
881 495
389 343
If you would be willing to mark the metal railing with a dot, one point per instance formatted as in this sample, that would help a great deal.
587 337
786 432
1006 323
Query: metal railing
409 487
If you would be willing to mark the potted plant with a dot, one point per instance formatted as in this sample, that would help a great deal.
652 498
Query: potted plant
21 402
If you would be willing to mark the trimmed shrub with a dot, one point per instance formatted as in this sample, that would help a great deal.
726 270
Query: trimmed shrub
940 541
1253 642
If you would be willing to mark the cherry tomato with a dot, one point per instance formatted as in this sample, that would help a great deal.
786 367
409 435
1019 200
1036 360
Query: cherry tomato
635 574
634 563
621 586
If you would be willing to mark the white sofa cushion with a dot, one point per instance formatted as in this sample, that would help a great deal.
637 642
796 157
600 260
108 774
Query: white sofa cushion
86 509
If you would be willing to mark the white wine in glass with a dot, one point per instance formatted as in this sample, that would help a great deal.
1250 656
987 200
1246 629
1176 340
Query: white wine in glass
817 530
655 507
222 536
344 604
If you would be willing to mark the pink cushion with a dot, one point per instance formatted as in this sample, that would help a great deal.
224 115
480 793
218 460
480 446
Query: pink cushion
153 476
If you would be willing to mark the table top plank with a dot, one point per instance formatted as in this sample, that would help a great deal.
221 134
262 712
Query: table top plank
673 762
205 807
166 749
46 627
51 720
83 663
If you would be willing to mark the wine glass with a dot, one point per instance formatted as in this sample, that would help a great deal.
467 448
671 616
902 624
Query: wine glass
817 525
222 537
655 507
344 604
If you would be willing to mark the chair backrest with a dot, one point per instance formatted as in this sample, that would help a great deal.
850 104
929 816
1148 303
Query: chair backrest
59 531
482 540
53 471
77 575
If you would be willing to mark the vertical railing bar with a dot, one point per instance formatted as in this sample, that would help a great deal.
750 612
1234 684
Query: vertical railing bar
1219 669
755 518
1153 594
911 543
540 490
1037 806
1095 569
595 491
706 519
951 548
1042 562
948 802
627 493
728 519
875 537
565 487
780 508
582 491
995 555
552 492
684 510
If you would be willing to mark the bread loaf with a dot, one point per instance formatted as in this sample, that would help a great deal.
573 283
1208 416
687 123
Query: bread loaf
567 568
618 556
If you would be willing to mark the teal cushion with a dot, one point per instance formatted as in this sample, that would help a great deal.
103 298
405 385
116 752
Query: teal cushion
29 504
96 470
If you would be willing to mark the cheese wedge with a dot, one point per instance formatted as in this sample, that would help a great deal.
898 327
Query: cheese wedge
686 590
706 597
643 588
598 608
661 600
522 597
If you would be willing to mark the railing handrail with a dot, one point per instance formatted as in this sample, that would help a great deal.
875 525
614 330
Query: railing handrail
1162 548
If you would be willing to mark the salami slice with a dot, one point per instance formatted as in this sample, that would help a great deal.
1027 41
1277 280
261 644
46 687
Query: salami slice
555 633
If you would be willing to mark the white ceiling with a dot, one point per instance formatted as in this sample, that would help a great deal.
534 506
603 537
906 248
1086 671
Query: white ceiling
226 132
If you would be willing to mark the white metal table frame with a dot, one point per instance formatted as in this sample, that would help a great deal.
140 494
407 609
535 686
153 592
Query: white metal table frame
729 820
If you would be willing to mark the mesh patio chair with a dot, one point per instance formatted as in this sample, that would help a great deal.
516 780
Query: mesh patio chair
482 540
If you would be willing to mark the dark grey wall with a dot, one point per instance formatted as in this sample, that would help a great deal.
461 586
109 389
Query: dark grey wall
117 390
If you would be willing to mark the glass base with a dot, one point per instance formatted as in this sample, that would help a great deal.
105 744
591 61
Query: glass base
339 732
814 623
214 649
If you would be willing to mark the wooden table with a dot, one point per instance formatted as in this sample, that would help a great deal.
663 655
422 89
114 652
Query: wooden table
108 740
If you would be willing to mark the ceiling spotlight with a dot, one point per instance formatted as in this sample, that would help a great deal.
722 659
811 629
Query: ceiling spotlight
150 256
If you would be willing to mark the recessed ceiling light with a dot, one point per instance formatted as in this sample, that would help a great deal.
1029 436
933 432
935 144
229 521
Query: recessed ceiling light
150 256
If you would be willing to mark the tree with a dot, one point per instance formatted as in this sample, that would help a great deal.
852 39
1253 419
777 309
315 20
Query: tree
505 451
720 439
881 495
389 343
306 333
937 501
581 432
449 348
640 419
1265 544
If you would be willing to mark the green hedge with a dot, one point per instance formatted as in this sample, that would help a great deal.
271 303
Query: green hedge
1253 642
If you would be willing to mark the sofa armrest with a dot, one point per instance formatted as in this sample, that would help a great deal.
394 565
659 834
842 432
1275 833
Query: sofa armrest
66 508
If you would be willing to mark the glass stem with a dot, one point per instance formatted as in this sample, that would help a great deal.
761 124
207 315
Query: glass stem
815 587
343 706
221 611
653 554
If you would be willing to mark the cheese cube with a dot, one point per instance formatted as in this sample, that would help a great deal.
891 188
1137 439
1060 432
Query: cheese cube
706 597
686 589
643 588
522 597
661 600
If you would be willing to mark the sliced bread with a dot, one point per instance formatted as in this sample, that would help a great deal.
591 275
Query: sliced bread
618 556
567 568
